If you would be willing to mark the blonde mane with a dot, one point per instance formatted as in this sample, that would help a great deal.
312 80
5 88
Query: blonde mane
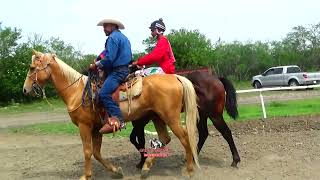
71 74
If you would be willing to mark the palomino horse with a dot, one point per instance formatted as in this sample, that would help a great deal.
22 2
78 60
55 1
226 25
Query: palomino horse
164 95
213 94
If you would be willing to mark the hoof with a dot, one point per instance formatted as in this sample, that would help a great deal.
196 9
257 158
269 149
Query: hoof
118 174
187 174
144 174
235 164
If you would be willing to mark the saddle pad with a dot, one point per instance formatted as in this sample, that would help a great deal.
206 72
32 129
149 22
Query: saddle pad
150 71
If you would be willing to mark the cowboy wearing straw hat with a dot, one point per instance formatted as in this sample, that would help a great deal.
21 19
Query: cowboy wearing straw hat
114 60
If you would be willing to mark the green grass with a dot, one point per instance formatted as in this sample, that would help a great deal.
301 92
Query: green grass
68 128
276 109
239 85
47 128
56 105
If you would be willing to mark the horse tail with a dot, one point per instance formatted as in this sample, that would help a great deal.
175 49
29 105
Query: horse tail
191 114
231 98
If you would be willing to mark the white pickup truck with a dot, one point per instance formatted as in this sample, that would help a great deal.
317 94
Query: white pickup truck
285 76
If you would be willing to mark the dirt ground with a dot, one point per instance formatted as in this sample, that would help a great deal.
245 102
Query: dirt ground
282 148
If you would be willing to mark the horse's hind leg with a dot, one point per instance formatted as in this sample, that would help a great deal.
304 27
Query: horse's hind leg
203 130
182 134
164 137
96 143
162 130
223 128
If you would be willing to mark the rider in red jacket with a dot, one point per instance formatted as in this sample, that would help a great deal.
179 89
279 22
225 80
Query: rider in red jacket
162 52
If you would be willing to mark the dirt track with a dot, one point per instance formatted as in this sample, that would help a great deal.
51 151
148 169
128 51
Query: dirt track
286 148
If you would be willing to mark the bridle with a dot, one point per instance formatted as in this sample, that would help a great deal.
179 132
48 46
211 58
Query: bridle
37 89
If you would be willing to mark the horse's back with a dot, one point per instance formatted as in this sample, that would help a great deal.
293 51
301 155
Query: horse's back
162 90
162 81
210 91
207 82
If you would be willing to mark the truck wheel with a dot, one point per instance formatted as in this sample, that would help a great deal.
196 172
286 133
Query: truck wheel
257 85
293 83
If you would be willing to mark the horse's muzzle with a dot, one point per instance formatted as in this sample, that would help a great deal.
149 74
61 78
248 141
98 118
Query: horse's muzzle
25 91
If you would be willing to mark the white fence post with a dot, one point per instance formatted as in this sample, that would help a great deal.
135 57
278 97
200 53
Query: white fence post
262 105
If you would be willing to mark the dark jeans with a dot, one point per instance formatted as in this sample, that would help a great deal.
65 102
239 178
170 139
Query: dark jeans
114 79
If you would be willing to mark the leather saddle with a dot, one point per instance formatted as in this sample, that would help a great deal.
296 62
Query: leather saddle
128 90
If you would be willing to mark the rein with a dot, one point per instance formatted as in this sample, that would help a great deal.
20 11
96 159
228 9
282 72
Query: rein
71 84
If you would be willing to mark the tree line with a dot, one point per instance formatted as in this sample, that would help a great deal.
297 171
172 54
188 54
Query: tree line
238 61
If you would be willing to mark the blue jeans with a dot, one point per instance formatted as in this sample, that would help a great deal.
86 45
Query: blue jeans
114 79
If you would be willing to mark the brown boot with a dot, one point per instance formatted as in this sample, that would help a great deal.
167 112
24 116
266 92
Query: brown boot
112 125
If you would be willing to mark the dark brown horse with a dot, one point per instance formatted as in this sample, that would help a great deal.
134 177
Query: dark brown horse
214 94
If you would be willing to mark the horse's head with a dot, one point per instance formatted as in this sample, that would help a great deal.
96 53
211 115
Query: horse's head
38 74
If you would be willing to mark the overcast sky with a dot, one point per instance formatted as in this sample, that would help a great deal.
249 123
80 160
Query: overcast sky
74 21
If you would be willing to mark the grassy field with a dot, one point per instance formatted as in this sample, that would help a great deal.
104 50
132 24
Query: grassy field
276 109
242 85
59 128
56 105
246 112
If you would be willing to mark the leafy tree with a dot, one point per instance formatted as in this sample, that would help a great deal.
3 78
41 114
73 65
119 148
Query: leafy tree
149 43
8 45
8 41
190 47
15 59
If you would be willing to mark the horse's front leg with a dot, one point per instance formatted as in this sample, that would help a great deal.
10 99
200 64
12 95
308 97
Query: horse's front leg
86 136
96 143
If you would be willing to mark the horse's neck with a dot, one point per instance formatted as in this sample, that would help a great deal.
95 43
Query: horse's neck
68 83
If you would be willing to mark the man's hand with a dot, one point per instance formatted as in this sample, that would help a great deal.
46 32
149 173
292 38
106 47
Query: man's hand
135 63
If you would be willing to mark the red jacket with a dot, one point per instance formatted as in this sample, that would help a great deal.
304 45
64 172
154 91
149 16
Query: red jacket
161 54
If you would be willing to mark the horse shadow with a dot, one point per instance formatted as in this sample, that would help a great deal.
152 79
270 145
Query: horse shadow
171 166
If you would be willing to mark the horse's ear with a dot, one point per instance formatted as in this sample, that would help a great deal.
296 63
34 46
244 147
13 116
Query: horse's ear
34 52
53 57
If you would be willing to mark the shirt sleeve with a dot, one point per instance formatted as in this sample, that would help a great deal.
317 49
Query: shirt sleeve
102 55
111 52
155 55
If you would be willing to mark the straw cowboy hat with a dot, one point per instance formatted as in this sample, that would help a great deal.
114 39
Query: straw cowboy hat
111 21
